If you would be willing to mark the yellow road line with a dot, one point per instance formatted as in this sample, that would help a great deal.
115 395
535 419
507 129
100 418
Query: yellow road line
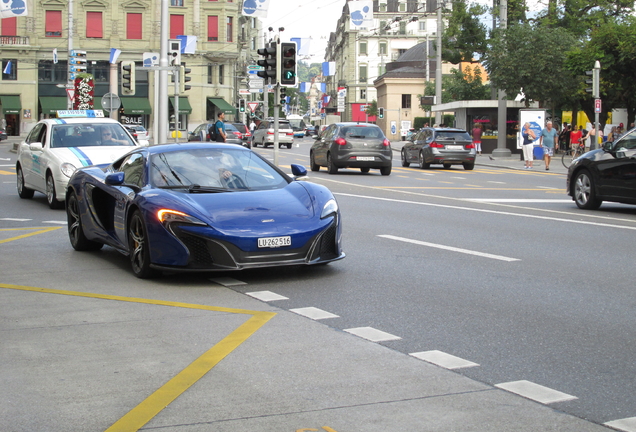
40 231
3 172
136 418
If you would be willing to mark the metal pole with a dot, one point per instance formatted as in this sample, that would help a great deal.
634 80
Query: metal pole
69 81
438 66
177 114
502 106
276 107
155 114
164 119
596 77
113 89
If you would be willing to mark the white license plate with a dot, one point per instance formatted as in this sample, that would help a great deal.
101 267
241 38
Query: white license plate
365 158
454 147
274 242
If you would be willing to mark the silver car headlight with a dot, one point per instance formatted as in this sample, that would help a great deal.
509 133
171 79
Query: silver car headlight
330 208
68 169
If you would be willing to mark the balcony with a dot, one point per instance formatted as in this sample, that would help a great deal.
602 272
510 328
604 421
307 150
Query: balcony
14 40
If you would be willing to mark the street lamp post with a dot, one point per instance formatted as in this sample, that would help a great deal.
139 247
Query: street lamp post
502 107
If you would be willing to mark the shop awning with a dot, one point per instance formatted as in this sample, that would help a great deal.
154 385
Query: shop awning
50 104
222 105
137 105
184 105
10 104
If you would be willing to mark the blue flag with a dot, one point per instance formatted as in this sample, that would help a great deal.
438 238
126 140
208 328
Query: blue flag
7 68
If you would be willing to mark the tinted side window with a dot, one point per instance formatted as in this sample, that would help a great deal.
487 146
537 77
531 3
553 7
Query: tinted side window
34 135
133 168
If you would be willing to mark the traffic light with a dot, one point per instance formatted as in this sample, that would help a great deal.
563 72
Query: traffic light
242 105
283 95
595 90
269 74
288 64
184 78
380 112
128 78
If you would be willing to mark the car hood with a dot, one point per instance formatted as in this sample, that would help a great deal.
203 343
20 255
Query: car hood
252 211
85 156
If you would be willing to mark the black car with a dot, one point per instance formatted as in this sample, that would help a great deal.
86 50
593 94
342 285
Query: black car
351 145
446 146
310 130
3 134
605 174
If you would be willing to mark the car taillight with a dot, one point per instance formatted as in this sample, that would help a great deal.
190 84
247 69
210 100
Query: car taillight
340 141
386 142
270 133
436 145
469 146
247 134
238 134
289 133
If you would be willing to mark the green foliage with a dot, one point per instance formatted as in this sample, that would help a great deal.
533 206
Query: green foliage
464 35
372 108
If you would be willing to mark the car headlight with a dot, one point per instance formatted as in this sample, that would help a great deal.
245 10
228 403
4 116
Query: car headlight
330 207
167 217
68 169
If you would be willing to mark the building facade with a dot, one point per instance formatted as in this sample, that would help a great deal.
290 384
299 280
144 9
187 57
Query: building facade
226 43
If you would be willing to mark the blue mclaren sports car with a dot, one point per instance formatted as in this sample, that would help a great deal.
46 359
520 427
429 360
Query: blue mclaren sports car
202 207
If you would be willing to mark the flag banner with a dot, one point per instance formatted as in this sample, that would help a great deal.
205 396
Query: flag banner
7 68
302 45
55 55
304 87
188 44
114 54
328 68
255 8
323 87
14 8
361 14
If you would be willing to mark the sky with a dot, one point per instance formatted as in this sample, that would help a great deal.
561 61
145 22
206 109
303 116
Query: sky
314 19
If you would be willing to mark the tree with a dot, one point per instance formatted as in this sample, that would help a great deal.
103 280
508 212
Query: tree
464 36
372 108
526 59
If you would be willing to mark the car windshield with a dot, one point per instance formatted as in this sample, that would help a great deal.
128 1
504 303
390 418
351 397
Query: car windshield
230 127
90 134
361 132
198 169
627 141
453 135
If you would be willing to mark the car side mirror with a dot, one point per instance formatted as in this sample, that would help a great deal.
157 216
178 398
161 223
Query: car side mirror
115 179
35 146
298 171
607 145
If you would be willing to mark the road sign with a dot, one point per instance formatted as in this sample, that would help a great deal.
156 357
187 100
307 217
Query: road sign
244 91
597 105
255 67
111 102
70 93
252 106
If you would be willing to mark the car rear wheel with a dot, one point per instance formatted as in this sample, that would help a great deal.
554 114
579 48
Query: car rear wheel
51 194
312 163
469 166
75 230
331 167
139 247
423 165
23 191
405 163
385 170
585 192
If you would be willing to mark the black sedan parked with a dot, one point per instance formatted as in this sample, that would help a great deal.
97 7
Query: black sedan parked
444 146
351 145
605 174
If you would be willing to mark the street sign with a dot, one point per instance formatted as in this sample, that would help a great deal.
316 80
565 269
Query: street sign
70 93
244 91
255 67
597 106
111 102
252 106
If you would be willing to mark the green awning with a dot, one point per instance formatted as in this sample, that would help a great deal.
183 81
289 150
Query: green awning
50 104
10 104
222 105
138 105
184 105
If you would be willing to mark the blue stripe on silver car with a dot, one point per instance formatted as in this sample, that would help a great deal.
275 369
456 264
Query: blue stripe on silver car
83 158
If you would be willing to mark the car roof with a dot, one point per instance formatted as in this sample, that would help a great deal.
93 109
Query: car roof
168 147
76 120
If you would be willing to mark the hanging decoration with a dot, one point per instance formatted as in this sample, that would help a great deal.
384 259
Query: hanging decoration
84 92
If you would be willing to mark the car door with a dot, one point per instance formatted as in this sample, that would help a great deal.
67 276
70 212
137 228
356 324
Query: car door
617 174
414 145
134 169
321 146
37 157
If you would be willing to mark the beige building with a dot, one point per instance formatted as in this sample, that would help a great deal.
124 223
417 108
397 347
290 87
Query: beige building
225 44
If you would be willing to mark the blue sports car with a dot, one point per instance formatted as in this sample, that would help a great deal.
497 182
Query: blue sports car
202 207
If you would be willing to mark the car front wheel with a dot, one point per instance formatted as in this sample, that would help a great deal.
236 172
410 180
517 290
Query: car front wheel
138 247
585 192
75 230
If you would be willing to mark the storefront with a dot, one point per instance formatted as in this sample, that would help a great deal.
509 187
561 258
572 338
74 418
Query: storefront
11 108
135 111
50 104
184 110
216 105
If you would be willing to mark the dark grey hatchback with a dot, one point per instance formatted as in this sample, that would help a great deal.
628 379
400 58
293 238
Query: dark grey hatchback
351 145
444 146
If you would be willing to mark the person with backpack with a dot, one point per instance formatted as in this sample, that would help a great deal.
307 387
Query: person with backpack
217 130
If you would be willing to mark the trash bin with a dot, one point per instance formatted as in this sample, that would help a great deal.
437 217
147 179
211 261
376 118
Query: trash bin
537 152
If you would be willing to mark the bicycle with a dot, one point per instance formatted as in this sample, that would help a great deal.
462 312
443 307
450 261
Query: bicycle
571 154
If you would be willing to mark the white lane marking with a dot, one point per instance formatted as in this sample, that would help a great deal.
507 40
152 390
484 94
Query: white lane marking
227 281
496 182
450 248
443 359
535 392
626 424
498 212
314 313
15 219
266 296
372 334
459 178
515 200
56 222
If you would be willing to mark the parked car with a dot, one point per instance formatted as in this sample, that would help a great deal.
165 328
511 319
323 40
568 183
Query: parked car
264 134
3 134
132 132
202 207
141 131
56 147
446 146
605 174
310 130
233 135
245 131
351 145
200 133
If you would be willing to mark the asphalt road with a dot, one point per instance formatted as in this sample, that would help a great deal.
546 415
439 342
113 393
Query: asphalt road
496 267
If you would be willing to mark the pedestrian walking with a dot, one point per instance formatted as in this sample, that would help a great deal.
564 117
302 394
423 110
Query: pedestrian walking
564 138
575 137
549 139
528 148
477 133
